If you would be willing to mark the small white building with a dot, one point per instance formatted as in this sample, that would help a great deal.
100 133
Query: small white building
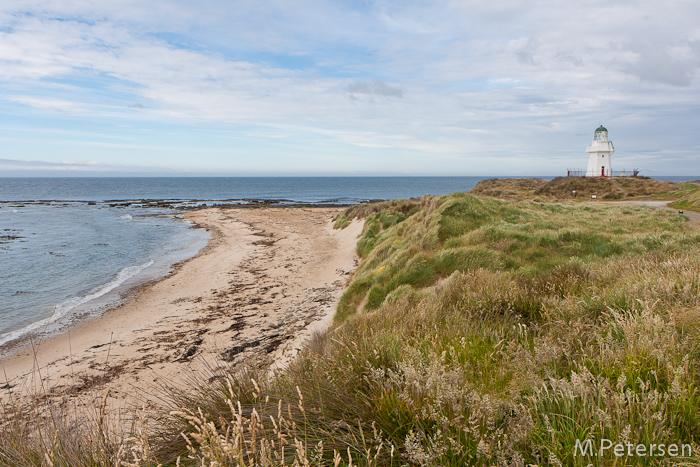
599 154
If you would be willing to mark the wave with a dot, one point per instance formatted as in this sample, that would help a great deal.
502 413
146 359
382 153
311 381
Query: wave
62 309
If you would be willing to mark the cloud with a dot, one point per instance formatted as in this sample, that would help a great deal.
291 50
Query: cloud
11 167
88 166
375 87
457 77
91 166
50 103
665 64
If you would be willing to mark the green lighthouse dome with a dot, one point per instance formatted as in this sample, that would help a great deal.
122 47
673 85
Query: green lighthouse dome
601 134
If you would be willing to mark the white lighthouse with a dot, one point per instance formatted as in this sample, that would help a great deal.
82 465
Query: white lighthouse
599 154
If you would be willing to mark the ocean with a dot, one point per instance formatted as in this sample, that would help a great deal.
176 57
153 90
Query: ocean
60 262
300 189
71 248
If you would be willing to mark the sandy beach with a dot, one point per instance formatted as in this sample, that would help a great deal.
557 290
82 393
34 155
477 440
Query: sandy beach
268 278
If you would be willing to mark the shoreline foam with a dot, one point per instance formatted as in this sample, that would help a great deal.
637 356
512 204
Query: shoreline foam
121 288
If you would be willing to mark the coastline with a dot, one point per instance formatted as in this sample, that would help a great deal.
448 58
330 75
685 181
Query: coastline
69 262
252 294
104 297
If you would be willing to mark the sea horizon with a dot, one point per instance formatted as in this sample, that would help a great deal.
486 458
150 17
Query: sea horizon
311 189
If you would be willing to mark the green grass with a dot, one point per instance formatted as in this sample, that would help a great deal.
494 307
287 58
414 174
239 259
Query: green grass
462 233
541 309
688 198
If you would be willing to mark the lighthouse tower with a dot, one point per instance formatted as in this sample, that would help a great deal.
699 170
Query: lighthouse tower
599 154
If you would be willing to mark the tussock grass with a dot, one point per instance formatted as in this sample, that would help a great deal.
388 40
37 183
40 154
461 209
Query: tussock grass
508 188
688 197
475 332
578 188
607 188
42 432
392 209
463 232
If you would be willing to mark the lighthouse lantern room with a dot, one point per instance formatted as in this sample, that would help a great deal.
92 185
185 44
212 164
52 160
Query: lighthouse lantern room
599 154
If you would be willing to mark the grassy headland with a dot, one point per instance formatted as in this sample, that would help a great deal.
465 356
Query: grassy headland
583 188
474 332
680 195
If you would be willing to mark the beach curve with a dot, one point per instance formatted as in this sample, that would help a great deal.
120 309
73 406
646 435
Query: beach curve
267 278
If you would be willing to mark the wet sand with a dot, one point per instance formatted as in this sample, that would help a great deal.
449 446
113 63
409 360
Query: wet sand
267 279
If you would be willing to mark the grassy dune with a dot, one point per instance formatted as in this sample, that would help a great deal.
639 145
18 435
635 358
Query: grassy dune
583 188
688 197
474 332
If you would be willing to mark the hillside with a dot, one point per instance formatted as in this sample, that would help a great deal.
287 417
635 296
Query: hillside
508 188
483 332
689 197
577 188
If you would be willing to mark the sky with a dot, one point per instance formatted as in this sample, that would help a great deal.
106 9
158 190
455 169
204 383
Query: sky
343 87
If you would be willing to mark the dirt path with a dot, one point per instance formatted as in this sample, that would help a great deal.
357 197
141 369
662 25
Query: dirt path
617 185
693 217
